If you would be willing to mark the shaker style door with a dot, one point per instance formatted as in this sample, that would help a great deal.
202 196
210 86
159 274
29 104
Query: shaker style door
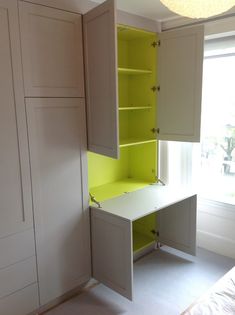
100 46
180 82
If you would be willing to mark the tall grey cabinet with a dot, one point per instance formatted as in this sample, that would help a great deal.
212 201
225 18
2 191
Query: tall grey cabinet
179 71
52 55
58 164
18 277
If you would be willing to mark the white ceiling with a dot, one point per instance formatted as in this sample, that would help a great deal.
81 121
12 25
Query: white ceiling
152 9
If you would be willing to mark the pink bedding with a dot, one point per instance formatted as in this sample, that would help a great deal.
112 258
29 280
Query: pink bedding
219 300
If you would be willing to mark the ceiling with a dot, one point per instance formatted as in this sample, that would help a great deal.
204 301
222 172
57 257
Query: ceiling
152 9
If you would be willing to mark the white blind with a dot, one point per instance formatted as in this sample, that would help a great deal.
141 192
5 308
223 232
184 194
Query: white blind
219 46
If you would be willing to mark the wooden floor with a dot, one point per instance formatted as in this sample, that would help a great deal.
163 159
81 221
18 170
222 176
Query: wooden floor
165 283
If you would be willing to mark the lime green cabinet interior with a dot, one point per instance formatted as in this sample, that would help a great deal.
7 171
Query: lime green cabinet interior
137 165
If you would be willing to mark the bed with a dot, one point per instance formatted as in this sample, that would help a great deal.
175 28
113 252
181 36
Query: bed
219 300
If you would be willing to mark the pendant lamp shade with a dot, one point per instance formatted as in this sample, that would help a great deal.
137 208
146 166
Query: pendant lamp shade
198 8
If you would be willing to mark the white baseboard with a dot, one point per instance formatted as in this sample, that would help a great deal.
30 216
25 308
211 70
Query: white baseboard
215 243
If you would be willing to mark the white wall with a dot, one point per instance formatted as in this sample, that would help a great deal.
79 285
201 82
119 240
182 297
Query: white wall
216 227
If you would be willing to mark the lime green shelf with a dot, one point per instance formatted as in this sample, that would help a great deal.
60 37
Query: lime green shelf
141 241
134 108
117 188
134 141
131 71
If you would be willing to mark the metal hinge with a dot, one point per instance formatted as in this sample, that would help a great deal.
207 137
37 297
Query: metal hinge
94 200
154 130
156 43
154 232
154 88
160 181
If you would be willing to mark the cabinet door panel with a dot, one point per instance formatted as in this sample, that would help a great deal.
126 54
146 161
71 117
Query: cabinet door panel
101 79
15 207
112 256
52 51
17 276
59 180
177 225
17 252
24 301
180 79
16 247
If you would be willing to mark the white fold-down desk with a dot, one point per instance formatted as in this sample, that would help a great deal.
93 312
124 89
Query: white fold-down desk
111 224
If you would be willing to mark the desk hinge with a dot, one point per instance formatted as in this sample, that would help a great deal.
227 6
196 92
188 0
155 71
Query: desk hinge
160 181
94 200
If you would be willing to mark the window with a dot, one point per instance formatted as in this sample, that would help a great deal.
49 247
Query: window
216 178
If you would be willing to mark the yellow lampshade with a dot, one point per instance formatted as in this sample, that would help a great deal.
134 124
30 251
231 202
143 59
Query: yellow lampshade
198 8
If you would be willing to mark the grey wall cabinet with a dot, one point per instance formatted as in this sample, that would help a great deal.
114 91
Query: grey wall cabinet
52 51
179 69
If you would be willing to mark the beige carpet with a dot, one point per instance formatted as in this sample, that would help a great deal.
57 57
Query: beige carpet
165 283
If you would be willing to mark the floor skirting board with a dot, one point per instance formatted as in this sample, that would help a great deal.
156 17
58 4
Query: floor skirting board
216 243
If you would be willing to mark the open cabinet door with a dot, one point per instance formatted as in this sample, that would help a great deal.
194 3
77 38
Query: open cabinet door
112 257
180 80
100 47
177 225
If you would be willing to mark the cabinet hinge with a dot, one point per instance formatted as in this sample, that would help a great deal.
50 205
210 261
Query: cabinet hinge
94 200
158 88
154 130
156 43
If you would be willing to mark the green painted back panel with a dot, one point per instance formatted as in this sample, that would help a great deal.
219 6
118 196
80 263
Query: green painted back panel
143 231
143 162
104 170
137 162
